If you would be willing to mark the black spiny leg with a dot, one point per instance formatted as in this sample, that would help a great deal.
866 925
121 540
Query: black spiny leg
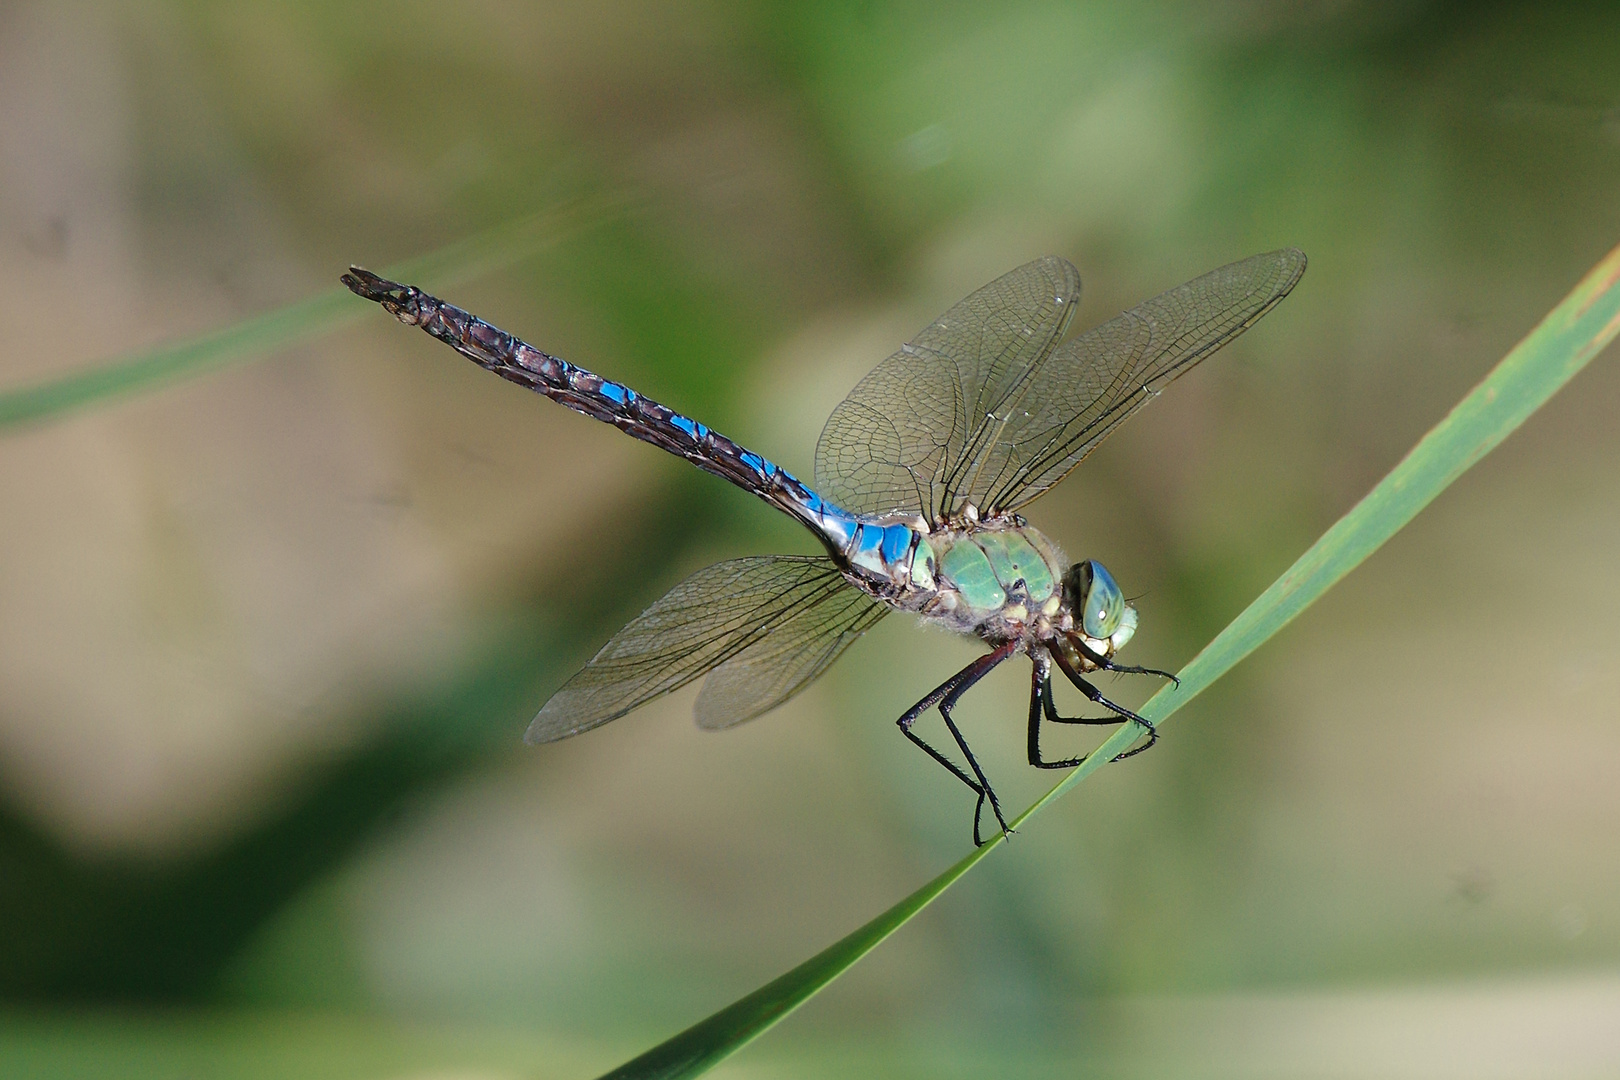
1096 695
1123 669
1040 702
946 695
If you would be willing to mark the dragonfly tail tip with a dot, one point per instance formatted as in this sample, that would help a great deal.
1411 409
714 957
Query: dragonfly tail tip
364 283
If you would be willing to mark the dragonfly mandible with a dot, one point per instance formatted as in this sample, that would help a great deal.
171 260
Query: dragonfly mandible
920 474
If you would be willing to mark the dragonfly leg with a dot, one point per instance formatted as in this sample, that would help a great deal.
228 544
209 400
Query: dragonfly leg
1123 669
945 707
946 695
1132 669
1121 711
1041 703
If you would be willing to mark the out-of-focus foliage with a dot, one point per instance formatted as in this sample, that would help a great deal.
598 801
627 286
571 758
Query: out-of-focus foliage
268 637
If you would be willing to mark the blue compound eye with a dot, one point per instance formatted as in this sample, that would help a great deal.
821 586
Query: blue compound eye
1102 605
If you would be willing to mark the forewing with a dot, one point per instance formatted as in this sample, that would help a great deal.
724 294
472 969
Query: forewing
1090 384
706 620
787 659
912 433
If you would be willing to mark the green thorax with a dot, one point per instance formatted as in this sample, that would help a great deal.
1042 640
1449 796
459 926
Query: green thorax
989 567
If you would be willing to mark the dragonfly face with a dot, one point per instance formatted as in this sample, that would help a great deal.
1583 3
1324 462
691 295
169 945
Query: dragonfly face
1104 621
1104 614
920 474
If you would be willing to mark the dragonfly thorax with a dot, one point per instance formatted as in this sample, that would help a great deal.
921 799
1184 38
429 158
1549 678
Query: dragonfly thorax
1002 581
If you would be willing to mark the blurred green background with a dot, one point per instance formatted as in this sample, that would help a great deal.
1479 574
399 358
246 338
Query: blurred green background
269 637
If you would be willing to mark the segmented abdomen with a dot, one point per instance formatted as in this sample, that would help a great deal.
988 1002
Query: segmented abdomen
589 393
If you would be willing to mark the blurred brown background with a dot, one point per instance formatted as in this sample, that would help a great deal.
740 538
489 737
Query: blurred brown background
269 636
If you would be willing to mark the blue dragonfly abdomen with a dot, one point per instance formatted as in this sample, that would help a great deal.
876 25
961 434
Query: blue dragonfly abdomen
878 551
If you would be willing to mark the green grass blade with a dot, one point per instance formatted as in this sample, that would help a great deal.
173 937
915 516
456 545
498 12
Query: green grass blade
263 334
1564 342
705 1044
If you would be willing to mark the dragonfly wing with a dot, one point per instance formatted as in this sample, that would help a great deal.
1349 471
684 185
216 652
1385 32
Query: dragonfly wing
786 660
913 434
1089 385
717 614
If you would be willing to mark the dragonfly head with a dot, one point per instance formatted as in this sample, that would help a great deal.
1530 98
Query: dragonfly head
1106 621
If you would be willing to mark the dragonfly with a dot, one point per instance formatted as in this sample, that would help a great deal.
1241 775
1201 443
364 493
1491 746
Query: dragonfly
920 476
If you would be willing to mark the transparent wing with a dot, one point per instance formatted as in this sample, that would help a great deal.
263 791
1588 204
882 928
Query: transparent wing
717 614
786 660
982 409
912 435
1089 385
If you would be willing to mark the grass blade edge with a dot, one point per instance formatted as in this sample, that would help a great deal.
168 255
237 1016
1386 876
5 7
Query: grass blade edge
262 334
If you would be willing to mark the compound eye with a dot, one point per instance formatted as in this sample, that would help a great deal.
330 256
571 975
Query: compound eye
1102 605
